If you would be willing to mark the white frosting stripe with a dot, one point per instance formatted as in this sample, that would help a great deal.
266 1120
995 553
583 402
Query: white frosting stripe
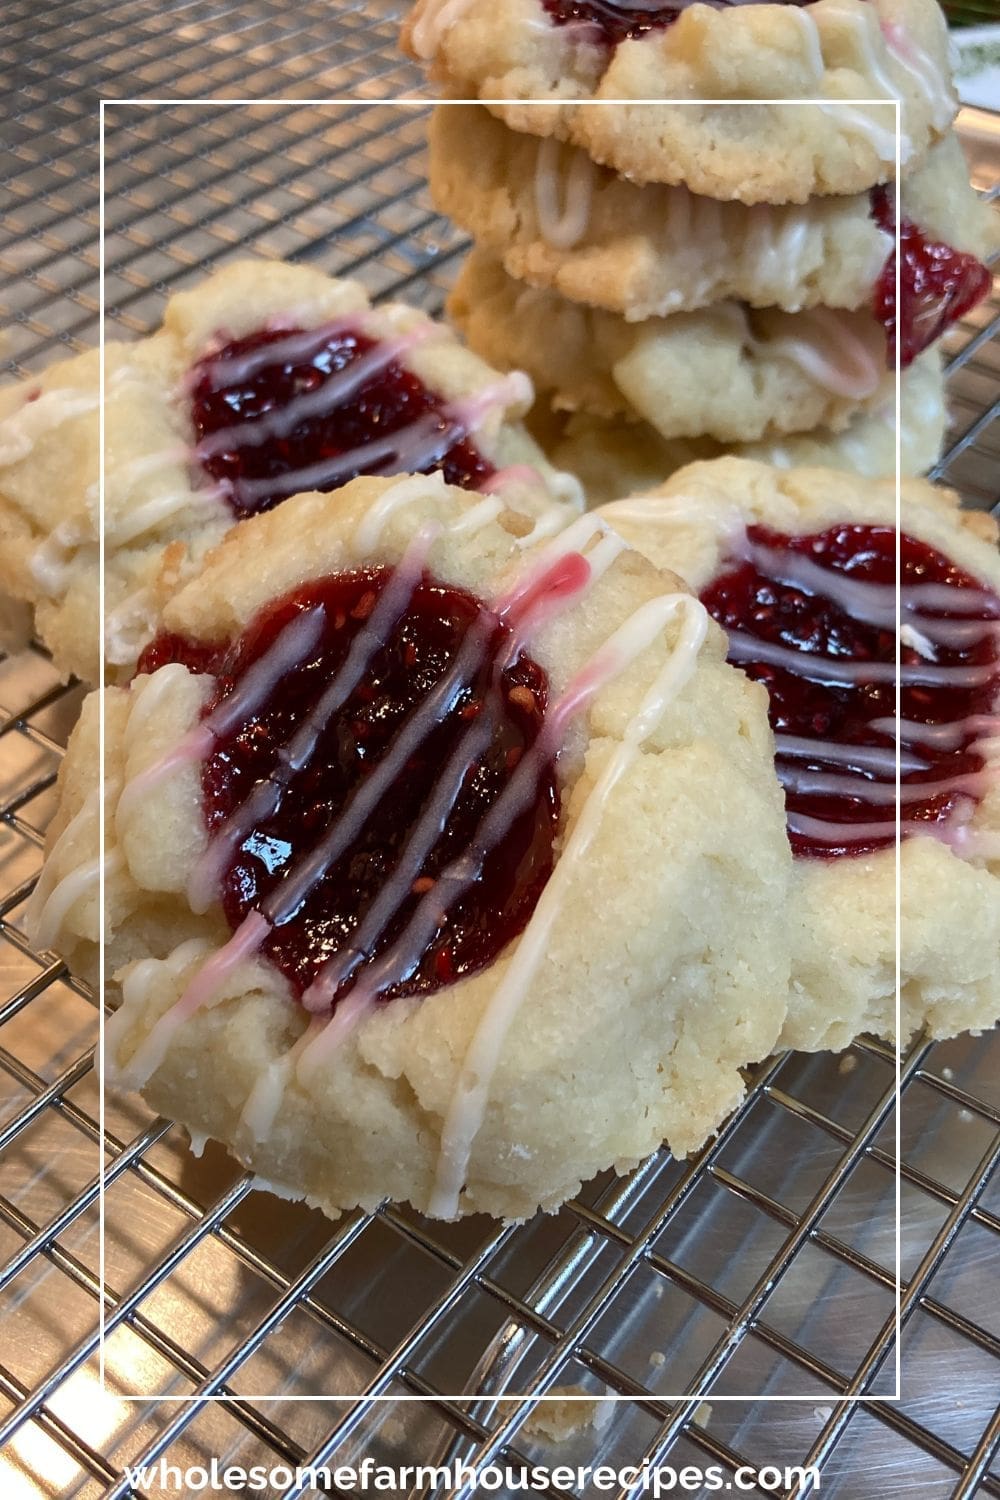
50 563
392 603
747 648
284 654
937 736
880 759
875 603
40 415
295 348
820 831
416 446
426 832
75 886
204 990
843 352
879 793
335 391
562 224
468 1105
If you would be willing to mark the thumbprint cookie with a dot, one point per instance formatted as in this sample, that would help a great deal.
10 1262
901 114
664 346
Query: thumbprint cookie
442 863
264 380
844 62
799 568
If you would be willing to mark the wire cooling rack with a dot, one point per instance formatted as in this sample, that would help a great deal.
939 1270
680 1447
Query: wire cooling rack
763 1267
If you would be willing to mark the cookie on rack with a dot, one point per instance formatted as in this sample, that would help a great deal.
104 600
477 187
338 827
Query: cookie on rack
799 568
613 458
824 55
264 380
558 221
728 372
442 864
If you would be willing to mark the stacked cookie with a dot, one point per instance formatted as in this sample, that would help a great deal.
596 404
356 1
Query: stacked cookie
719 277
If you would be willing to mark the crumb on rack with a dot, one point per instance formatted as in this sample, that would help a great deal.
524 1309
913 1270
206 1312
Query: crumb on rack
847 1063
557 1419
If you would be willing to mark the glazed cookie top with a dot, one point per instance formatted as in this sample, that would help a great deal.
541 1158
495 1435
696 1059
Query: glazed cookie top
827 52
382 745
265 379
557 220
800 570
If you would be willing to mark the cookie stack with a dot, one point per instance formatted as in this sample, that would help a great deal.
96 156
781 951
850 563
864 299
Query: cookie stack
683 280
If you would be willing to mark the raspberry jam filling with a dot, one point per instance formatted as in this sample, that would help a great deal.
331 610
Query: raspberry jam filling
286 410
813 619
334 813
619 23
938 285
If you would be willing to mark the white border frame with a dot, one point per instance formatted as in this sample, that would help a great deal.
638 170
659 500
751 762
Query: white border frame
533 1397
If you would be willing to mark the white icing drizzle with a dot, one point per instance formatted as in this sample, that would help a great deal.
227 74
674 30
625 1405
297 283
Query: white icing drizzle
368 533
335 391
937 736
879 793
295 348
776 242
39 416
876 603
137 983
416 446
128 627
203 992
424 835
813 668
863 21
562 197
809 29
924 71
392 604
51 563
525 607
260 1110
873 50
67 892
282 656
876 758
842 351
431 22
821 831
479 516
881 138
468 1104
152 514
47 879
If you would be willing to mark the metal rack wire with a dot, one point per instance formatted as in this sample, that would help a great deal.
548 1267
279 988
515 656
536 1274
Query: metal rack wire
765 1266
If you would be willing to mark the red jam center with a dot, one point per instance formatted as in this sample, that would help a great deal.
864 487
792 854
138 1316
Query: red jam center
841 713
468 746
938 285
270 427
619 23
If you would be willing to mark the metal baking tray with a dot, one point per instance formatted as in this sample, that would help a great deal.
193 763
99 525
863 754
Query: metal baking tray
764 1267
